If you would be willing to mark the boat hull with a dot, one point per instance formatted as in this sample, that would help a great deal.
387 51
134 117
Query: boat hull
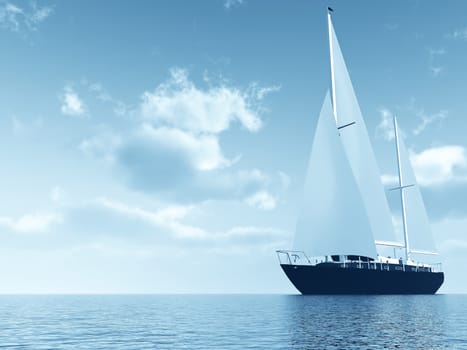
333 279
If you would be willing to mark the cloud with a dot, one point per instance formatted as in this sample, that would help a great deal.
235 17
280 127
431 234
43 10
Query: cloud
102 146
168 217
174 147
436 69
71 103
119 108
232 3
436 52
202 151
179 103
459 34
171 219
429 119
385 128
16 18
262 200
30 223
440 165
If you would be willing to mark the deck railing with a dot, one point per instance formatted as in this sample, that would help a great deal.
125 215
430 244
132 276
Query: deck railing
299 258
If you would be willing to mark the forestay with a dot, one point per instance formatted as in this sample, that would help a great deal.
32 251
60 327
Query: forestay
333 218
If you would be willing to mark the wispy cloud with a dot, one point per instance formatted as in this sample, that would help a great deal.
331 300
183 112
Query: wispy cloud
72 103
262 200
460 34
435 68
168 217
171 220
426 120
119 108
385 128
15 17
232 3
31 223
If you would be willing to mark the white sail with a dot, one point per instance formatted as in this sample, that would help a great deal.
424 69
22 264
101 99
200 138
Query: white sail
358 146
333 219
418 227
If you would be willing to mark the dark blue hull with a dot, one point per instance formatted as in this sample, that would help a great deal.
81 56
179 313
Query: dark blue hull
330 278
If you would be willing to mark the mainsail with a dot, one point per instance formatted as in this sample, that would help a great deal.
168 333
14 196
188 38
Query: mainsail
357 145
333 219
417 225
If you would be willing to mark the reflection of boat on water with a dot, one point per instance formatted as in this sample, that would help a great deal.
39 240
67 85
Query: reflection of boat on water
345 218
369 322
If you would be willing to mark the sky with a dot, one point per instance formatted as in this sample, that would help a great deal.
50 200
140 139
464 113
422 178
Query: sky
161 146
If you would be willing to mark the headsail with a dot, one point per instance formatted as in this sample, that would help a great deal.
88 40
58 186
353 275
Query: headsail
417 225
358 146
333 218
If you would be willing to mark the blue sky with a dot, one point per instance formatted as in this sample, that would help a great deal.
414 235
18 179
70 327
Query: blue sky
160 147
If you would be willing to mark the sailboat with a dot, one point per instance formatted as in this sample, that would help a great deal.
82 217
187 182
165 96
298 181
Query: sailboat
345 226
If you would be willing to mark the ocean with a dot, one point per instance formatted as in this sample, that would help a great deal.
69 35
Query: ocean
233 322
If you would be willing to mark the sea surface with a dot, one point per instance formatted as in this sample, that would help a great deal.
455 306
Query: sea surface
233 322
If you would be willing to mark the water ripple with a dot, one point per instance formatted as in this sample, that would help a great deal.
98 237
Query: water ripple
233 322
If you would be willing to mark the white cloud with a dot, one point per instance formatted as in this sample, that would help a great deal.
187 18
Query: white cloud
31 222
260 92
262 200
426 120
204 150
14 17
168 217
102 146
437 52
119 108
179 103
71 103
440 165
459 34
175 147
385 128
232 3
436 71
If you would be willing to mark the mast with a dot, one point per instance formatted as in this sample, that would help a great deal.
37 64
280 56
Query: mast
402 187
331 54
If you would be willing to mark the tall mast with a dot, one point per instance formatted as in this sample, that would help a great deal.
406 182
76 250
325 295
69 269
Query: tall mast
331 54
402 187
